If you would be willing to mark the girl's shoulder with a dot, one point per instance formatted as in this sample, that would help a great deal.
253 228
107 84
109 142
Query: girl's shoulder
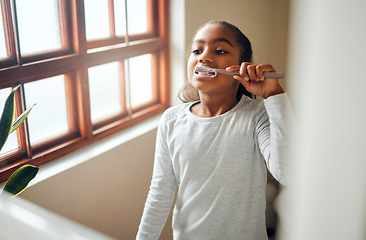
175 112
260 107
250 104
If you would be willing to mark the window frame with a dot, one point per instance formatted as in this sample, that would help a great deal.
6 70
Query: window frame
73 61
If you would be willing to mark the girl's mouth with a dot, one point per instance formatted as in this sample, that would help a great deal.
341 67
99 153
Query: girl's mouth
199 71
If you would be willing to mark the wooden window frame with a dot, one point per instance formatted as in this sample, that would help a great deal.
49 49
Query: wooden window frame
73 61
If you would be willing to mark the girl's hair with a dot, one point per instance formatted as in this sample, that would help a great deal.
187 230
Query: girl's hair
188 93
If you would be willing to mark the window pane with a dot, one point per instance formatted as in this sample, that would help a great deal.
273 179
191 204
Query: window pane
39 27
96 19
2 38
137 16
119 15
11 143
49 117
104 85
140 79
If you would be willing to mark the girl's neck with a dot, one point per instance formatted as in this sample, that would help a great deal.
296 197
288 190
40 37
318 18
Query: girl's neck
212 106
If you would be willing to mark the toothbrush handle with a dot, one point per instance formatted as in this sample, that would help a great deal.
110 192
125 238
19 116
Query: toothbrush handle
273 75
265 74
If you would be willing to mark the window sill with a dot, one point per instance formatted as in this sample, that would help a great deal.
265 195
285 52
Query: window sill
85 154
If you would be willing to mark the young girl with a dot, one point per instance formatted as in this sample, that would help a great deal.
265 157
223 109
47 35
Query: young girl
216 145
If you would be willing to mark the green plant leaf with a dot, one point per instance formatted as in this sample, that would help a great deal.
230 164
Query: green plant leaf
7 117
20 179
21 119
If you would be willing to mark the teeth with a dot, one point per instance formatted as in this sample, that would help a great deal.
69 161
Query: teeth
203 73
210 74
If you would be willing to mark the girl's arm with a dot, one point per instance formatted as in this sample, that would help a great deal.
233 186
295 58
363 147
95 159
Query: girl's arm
275 124
274 128
161 193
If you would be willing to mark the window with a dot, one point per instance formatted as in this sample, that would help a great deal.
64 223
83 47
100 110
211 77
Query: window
92 67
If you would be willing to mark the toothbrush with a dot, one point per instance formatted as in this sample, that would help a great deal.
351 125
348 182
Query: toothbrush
214 71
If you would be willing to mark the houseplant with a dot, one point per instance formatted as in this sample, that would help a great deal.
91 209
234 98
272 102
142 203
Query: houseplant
19 180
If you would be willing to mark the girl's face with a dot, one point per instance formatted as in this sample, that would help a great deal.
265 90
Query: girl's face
214 46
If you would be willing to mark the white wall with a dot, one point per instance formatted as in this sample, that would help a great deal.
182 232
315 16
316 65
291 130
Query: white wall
107 191
327 62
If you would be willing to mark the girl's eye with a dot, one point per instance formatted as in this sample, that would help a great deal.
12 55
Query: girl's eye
220 52
197 51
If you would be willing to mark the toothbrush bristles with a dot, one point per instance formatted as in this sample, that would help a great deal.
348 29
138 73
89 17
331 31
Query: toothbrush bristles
210 71
203 69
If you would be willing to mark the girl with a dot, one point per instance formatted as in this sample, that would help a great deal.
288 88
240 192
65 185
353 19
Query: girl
217 144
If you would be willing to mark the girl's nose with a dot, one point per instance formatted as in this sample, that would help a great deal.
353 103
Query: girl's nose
205 56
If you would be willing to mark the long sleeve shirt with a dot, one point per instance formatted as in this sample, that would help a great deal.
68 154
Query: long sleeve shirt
219 165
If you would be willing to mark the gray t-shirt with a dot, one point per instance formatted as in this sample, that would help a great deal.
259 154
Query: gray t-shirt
219 164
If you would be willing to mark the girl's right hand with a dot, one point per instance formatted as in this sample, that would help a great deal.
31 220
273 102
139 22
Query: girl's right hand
251 76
